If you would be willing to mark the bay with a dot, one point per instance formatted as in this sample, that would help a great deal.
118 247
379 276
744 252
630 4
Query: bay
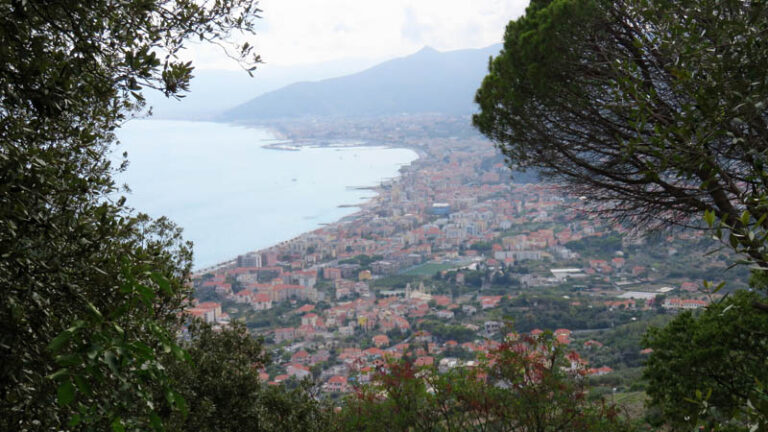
231 195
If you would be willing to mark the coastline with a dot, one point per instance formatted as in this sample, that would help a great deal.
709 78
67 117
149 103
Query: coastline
289 143
284 143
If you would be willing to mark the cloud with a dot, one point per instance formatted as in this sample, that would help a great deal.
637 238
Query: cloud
312 31
413 30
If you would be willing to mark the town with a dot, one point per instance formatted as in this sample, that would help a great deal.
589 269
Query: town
449 259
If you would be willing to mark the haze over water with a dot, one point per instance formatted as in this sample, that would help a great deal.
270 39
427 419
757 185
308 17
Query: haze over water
231 195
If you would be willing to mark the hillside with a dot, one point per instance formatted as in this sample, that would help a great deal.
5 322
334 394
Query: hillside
428 81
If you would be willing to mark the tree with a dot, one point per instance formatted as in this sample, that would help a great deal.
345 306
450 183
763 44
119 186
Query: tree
703 368
91 292
528 384
222 389
655 112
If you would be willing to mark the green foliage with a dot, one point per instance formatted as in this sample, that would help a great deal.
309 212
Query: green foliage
642 105
445 332
525 386
81 343
705 368
481 246
655 113
222 390
362 260
91 292
550 312
622 344
599 246
393 281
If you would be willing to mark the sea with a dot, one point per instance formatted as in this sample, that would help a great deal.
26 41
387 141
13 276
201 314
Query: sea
231 193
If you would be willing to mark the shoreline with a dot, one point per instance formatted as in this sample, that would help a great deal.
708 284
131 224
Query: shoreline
300 143
288 144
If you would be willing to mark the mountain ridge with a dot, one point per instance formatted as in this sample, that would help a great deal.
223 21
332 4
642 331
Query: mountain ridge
428 81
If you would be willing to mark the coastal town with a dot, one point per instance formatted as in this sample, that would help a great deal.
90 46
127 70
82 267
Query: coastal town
447 261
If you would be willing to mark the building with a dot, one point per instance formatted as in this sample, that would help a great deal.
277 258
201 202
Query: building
251 259
678 304
440 209
336 384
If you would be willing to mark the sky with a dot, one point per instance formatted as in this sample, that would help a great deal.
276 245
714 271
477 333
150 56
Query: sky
301 32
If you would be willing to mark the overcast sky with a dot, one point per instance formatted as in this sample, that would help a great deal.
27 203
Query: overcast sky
294 32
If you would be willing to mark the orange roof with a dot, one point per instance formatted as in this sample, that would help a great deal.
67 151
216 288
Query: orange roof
338 379
306 308
373 352
424 361
260 298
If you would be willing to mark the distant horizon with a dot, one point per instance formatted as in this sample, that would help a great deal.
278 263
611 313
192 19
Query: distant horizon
213 91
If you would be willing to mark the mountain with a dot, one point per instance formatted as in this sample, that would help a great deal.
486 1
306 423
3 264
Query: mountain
428 81
214 91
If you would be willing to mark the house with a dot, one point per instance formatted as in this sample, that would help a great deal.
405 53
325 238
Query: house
309 319
373 353
282 292
563 336
280 378
441 300
301 357
205 315
261 301
223 289
284 334
489 302
332 273
336 384
422 336
678 304
448 363
599 371
621 304
592 344
319 357
380 340
209 312
305 331
306 308
491 327
424 361
297 370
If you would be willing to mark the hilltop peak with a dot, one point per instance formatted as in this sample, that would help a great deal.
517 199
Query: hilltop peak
426 49
428 81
